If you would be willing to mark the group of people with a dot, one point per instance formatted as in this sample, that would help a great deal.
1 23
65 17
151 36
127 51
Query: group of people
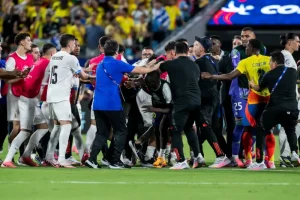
144 108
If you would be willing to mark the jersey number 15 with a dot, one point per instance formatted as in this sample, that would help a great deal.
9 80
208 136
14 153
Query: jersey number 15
53 78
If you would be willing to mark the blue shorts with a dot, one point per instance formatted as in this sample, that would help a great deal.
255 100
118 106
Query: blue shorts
238 106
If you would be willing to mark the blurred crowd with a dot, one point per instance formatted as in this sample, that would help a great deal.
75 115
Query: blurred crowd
133 23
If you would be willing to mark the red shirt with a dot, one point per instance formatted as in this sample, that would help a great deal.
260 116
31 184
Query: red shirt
98 60
33 82
21 65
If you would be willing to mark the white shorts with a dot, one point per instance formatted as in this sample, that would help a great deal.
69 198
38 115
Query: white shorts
60 111
30 112
144 99
12 108
46 114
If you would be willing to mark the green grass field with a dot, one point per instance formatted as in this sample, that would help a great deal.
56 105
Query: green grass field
139 183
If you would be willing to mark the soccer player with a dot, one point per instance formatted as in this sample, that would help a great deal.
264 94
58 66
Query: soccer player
160 92
239 93
35 52
282 107
30 112
236 41
62 68
290 42
19 60
254 67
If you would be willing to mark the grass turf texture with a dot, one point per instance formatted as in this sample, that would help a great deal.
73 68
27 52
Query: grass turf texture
139 183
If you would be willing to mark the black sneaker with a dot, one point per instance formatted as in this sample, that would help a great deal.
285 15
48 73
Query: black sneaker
119 165
92 164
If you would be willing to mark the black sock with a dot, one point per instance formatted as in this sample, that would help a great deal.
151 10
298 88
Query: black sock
69 147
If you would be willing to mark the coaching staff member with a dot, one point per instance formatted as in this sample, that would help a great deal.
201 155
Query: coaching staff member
282 107
107 103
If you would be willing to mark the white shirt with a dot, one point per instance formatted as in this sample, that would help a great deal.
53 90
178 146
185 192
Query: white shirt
289 60
62 68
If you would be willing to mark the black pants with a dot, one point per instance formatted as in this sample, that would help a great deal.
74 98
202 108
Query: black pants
3 124
183 118
287 119
104 121
207 109
230 124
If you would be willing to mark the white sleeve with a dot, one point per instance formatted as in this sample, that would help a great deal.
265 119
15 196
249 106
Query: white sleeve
290 62
167 93
74 65
124 59
75 82
10 64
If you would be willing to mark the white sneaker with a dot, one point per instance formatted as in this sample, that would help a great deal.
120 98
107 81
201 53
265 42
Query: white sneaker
105 162
181 165
295 158
257 166
173 159
199 161
73 161
126 161
220 162
20 162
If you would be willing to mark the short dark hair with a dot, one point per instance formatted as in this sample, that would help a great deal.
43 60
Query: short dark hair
65 39
284 38
277 57
111 47
34 46
248 29
47 47
103 40
21 36
170 46
215 37
255 43
147 47
237 37
153 57
152 77
182 40
181 47
121 49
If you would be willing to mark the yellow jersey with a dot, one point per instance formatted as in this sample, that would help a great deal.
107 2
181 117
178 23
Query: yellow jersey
255 67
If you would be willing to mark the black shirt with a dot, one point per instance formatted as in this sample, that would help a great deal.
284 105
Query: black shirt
208 87
284 95
225 66
184 76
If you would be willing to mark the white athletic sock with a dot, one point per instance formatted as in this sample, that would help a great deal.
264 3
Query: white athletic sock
78 141
90 136
284 144
15 145
63 141
160 153
235 156
52 142
34 141
149 153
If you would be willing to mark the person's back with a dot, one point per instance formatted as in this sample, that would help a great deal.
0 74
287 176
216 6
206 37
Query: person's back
184 76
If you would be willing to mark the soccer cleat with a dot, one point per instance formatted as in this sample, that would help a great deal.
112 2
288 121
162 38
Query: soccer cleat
126 161
285 161
172 159
75 150
105 162
247 163
20 162
220 162
8 164
85 157
119 165
181 165
28 161
160 162
52 163
236 162
92 164
270 164
38 159
71 160
295 159
65 164
199 161
257 166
